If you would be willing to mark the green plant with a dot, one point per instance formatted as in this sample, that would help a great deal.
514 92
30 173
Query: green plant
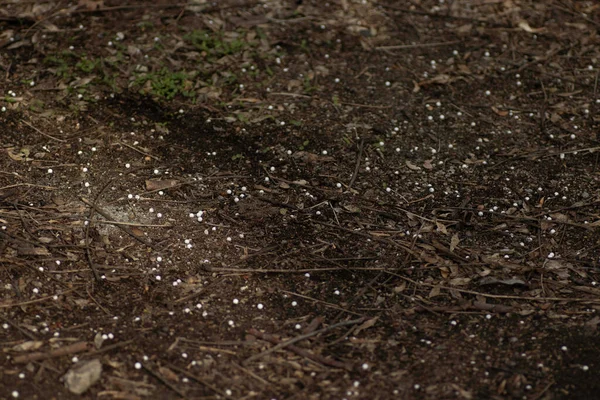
304 145
261 34
86 65
229 78
347 140
36 105
165 83
60 64
304 46
214 44
145 25
308 86
242 117
110 80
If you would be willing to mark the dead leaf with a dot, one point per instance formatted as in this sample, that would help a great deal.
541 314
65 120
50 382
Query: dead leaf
590 290
490 280
441 227
28 346
311 158
82 302
91 5
500 227
50 27
592 324
401 288
160 184
416 87
378 234
463 69
137 231
567 94
365 325
249 100
541 203
525 26
292 84
577 25
322 70
412 166
465 394
464 29
445 272
558 267
560 217
167 373
435 291
21 155
454 242
459 281
32 251
502 113
18 44
133 51
441 79
82 81
352 208
98 340
263 188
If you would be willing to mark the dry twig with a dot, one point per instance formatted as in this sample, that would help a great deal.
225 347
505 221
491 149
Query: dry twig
164 381
62 351
296 339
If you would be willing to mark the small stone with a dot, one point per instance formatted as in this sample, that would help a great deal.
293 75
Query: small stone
83 375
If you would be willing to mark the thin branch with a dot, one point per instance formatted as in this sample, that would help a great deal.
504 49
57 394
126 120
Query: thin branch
496 296
43 133
134 224
357 166
25 303
289 271
417 45
139 151
300 351
300 338
109 348
165 382
62 351
326 304
195 378
28 185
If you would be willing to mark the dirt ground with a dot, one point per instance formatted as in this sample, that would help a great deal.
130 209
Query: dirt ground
276 199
